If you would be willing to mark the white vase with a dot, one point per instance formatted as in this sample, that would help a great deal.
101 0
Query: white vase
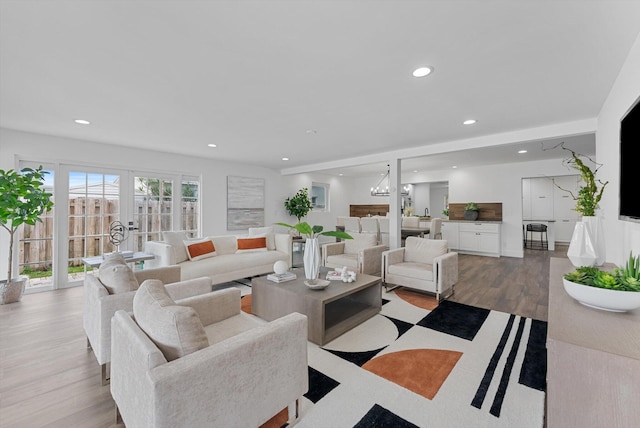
594 226
581 251
311 259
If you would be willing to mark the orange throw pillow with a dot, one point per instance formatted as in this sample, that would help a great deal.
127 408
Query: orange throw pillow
252 244
197 250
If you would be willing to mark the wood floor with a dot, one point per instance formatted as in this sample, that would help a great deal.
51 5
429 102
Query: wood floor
48 378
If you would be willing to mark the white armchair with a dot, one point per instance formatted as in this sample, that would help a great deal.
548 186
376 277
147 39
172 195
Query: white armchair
362 254
422 264
99 306
205 363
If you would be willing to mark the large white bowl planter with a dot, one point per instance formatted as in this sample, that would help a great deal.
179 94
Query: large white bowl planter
602 298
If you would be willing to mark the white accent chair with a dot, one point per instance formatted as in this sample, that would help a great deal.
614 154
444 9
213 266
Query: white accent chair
435 229
362 254
99 306
205 363
422 264
370 225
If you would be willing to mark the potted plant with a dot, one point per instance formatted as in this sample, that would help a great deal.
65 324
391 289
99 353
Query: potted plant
22 201
587 199
613 291
312 247
471 211
299 204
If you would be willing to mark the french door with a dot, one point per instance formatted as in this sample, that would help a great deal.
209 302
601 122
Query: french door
88 203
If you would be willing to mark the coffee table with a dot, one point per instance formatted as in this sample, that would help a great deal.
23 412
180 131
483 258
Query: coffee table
330 312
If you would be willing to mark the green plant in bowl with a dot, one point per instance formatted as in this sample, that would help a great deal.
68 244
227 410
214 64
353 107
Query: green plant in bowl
472 206
626 278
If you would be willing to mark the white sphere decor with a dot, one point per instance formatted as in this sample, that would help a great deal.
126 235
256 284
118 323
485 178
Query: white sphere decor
280 267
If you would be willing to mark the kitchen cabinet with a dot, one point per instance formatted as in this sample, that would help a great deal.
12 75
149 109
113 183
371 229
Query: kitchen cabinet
541 198
450 233
481 238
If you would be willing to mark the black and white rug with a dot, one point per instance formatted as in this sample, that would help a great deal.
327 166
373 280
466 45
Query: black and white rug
412 366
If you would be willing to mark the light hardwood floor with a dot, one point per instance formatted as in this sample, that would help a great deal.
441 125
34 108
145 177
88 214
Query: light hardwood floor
48 378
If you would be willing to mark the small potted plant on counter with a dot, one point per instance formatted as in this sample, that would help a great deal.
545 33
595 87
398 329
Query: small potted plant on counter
471 211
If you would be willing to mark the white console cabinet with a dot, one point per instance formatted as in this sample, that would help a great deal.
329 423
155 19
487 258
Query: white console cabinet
450 233
482 238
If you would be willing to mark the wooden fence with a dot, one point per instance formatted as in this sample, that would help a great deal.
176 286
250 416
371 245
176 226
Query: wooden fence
87 218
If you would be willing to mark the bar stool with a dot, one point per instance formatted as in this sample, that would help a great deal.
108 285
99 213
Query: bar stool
542 230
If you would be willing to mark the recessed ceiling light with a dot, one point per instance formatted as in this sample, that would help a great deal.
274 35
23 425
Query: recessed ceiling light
454 167
311 131
422 71
340 175
82 121
469 122
522 151
285 159
211 145
415 170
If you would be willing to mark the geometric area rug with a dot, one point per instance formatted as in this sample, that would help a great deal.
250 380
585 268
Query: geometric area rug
452 366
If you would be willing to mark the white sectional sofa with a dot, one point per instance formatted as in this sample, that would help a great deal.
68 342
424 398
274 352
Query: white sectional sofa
228 263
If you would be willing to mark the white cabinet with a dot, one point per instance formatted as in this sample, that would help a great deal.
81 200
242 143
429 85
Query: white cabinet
450 233
480 238
541 198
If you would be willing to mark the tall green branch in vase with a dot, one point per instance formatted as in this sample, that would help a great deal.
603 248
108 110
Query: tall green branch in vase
299 204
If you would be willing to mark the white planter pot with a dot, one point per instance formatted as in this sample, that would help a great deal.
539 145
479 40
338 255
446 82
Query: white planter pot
602 298
596 231
311 259
13 291
581 250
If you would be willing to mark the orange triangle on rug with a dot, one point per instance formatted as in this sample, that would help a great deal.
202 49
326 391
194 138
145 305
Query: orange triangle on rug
418 299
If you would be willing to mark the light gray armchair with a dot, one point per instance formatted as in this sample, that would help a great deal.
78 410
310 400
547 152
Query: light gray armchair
422 264
204 363
100 305
360 254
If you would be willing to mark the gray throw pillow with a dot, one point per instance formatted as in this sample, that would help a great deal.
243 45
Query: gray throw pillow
116 276
176 330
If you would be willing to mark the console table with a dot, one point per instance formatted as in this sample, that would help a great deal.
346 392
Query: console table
593 371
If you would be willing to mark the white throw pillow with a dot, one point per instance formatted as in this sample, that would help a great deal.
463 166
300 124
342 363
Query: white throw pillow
176 240
264 231
202 249
176 330
116 276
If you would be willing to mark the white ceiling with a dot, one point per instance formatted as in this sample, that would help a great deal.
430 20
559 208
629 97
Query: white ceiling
254 77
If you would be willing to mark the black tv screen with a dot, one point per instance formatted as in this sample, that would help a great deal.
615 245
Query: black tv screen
629 174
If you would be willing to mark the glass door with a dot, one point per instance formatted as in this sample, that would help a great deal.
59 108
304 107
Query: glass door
36 244
94 204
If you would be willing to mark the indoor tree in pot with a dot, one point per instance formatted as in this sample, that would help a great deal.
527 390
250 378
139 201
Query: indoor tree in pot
587 241
22 201
312 246
299 204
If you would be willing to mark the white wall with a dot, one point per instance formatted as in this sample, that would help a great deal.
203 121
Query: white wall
421 197
340 189
621 236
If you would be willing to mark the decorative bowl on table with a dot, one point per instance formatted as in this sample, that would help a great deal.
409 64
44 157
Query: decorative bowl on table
602 298
317 284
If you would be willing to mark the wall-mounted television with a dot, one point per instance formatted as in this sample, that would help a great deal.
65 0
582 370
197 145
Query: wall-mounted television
629 208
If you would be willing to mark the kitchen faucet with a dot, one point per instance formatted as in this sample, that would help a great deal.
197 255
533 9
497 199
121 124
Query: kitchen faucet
426 212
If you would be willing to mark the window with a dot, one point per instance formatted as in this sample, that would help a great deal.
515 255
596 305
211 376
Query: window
320 196
153 209
190 206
